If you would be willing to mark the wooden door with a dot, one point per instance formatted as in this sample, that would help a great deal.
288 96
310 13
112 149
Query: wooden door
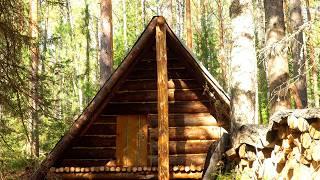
132 140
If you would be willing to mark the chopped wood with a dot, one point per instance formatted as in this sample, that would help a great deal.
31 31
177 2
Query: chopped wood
303 125
187 168
139 169
52 169
295 154
107 169
112 169
292 122
231 153
314 130
175 168
315 152
154 169
306 140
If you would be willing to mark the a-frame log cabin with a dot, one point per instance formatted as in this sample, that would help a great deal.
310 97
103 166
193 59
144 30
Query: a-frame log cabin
155 117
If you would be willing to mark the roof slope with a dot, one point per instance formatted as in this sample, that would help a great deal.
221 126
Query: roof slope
103 96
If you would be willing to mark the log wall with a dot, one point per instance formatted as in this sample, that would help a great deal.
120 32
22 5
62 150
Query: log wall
191 126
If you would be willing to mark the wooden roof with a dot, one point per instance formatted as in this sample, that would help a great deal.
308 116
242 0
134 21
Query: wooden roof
103 96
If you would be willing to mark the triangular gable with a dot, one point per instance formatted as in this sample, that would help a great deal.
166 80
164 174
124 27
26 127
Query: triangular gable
103 96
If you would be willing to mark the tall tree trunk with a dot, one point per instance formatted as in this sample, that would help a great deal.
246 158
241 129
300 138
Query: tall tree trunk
262 79
88 39
171 21
124 15
189 27
277 65
243 70
298 56
106 40
143 12
178 17
34 51
313 61
221 47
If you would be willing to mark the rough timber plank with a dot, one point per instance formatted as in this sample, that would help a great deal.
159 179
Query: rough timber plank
151 107
151 95
162 79
84 162
191 133
150 84
95 141
90 153
183 159
185 147
182 120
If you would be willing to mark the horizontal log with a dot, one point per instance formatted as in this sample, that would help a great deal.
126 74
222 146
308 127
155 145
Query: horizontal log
152 74
152 84
149 65
122 175
181 120
84 162
182 159
151 107
107 119
191 133
95 141
90 153
151 95
101 129
184 147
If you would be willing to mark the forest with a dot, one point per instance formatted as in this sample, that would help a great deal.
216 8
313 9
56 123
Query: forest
56 54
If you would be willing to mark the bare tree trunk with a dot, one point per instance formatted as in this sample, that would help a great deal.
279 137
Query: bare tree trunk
221 54
189 27
125 38
299 69
34 51
178 17
88 39
143 12
277 65
106 40
243 70
313 61
171 14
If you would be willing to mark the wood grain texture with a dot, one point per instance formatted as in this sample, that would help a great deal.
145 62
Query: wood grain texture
151 107
132 140
185 147
181 120
183 159
150 84
163 119
191 133
151 95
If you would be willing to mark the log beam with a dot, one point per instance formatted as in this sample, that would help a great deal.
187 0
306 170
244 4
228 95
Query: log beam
162 85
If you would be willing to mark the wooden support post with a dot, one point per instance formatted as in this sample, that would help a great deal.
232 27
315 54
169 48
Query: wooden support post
162 84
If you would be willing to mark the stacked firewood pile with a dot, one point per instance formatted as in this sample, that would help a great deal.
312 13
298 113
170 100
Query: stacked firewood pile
292 150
